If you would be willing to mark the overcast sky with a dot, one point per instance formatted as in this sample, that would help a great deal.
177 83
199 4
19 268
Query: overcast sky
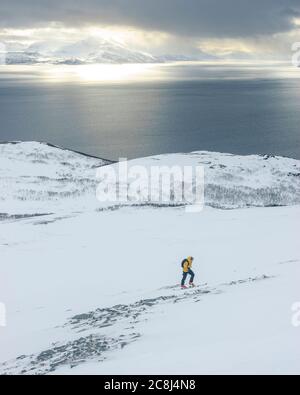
255 27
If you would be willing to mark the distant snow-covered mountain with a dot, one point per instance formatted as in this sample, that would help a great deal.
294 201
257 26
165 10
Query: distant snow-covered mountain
89 51
102 51
84 52
24 57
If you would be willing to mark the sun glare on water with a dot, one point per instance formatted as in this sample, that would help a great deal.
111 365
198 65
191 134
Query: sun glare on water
104 72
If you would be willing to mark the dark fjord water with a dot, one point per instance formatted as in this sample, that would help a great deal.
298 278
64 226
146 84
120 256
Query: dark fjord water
241 110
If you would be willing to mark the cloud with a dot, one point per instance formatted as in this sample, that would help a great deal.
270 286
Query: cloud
258 29
190 18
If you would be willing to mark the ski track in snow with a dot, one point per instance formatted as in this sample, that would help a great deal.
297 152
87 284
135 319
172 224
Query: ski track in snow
91 343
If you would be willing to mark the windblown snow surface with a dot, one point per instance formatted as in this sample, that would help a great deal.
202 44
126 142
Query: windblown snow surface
93 289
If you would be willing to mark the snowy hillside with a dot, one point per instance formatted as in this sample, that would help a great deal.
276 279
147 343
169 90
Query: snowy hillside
91 291
38 178
233 181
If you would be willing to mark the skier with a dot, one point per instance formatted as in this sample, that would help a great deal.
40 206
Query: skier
186 266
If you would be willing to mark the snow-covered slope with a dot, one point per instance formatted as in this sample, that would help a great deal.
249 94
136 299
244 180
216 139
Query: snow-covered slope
38 178
96 291
233 181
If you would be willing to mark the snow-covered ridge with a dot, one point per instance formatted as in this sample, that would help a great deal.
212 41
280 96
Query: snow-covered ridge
234 181
38 178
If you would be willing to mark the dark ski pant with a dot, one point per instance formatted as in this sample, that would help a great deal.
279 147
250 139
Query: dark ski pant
184 276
